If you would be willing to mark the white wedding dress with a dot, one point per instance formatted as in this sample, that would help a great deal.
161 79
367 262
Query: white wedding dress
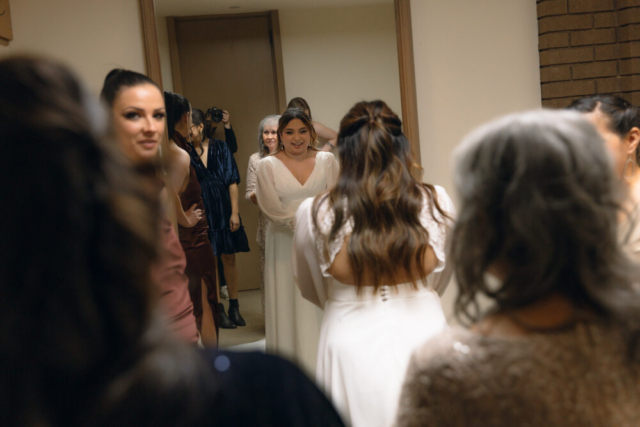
367 339
292 323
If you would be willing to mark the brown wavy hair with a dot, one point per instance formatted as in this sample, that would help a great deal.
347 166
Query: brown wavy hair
377 189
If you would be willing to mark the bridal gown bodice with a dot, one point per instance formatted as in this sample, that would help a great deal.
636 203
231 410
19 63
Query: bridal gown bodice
367 337
292 324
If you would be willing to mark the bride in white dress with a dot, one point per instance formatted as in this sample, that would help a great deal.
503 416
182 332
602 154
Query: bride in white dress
360 252
297 171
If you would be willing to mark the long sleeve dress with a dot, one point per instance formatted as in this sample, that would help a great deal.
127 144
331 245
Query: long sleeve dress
292 323
261 233
367 337
215 178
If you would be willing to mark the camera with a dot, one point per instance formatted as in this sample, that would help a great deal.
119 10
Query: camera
215 114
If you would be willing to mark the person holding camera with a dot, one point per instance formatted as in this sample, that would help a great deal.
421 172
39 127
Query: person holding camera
218 115
219 178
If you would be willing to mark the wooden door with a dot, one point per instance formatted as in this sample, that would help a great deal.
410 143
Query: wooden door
227 61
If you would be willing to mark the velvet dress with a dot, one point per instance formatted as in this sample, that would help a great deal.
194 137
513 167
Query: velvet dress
215 178
195 242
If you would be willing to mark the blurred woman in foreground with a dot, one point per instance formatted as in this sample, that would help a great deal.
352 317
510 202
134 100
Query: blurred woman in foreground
539 212
82 343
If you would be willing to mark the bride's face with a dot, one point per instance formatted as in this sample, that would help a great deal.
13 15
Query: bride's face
295 137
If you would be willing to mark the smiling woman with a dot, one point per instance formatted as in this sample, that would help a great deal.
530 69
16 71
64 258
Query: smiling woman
138 117
139 121
294 173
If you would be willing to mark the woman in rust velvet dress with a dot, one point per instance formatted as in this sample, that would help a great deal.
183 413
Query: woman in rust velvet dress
195 241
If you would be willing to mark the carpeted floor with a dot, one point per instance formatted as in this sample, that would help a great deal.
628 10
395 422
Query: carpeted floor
251 310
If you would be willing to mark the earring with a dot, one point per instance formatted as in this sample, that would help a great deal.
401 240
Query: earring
633 168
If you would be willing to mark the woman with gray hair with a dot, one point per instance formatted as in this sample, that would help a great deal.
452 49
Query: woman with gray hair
539 207
267 144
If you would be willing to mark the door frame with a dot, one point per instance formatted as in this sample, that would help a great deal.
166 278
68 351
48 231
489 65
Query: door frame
406 66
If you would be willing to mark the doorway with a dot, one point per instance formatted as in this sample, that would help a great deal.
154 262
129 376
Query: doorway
230 62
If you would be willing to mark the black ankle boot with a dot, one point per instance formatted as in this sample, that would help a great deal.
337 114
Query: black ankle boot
225 322
234 313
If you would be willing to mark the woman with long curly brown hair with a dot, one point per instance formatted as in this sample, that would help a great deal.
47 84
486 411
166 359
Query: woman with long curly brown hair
371 253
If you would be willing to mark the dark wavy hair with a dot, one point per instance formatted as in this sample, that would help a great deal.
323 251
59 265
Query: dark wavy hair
300 103
292 114
177 106
377 189
539 198
79 342
118 79
621 115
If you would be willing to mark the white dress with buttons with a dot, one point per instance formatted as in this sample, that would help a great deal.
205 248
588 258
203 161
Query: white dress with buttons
366 339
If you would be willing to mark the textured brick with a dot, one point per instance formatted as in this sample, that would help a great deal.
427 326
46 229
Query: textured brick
630 50
633 97
548 41
555 74
605 53
622 4
629 16
564 89
630 83
628 33
604 20
553 7
629 66
558 102
583 6
601 36
608 85
594 69
564 23
566 56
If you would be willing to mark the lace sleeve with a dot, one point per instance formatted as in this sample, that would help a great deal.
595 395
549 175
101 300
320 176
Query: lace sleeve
438 227
325 220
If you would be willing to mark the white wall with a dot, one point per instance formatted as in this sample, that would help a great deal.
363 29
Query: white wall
91 36
332 57
474 60
335 57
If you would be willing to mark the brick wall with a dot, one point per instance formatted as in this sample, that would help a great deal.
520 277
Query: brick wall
588 47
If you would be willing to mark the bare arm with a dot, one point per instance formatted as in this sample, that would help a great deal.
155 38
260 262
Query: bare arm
330 135
234 222
179 175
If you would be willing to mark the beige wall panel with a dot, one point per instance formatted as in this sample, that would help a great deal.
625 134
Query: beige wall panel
335 57
91 36
474 60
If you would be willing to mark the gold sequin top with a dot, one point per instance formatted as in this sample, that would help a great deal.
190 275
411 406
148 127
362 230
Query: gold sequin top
580 376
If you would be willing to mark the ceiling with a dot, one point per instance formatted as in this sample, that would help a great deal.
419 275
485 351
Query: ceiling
200 7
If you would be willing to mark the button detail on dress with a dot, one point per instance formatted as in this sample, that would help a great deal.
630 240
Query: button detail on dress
384 293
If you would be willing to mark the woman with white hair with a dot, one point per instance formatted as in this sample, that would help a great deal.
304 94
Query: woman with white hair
539 211
267 144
